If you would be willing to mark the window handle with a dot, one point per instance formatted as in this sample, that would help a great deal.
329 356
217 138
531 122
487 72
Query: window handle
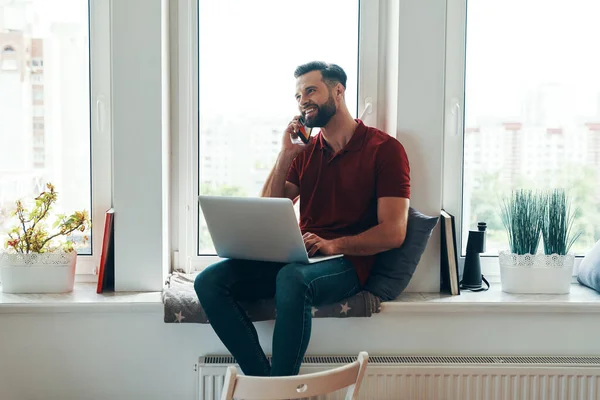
100 114
368 108
456 115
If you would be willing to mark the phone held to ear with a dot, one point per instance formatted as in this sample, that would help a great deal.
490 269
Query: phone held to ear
303 131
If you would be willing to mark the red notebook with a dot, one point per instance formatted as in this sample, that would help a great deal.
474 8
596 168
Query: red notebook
106 272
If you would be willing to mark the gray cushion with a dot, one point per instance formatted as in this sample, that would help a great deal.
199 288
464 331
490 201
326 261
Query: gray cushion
394 268
589 269
181 304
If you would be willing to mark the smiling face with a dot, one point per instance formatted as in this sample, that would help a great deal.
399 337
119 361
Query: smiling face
315 99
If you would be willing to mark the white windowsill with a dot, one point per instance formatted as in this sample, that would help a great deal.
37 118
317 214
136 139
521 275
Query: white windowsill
85 299
580 300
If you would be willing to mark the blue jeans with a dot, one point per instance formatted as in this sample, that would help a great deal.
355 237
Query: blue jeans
296 288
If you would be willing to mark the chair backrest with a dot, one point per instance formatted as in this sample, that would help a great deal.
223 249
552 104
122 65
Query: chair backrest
295 387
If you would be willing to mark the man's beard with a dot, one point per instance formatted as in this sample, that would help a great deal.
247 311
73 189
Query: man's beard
324 113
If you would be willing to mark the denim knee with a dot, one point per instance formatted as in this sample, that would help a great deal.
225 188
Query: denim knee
291 283
206 284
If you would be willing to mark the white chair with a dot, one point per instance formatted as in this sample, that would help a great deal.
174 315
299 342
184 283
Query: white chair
295 387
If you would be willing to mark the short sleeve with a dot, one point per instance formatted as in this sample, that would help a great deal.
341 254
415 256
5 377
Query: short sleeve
392 170
293 175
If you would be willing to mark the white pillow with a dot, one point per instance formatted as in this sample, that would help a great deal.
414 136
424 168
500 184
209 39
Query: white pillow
589 269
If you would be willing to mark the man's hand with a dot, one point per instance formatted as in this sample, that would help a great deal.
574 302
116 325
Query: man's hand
290 144
314 244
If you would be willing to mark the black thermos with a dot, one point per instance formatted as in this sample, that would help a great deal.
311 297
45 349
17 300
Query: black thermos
472 278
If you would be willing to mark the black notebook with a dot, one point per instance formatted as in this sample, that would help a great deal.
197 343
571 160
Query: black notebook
448 256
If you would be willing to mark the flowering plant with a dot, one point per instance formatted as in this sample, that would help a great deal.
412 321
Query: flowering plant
31 235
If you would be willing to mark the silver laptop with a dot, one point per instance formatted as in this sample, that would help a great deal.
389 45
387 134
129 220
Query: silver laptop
261 229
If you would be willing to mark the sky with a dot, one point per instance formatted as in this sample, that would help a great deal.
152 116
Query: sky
514 47
250 49
44 12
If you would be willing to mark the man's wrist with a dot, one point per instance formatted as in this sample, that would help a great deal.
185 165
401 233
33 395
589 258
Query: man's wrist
337 245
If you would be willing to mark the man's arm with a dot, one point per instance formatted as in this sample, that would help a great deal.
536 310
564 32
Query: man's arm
276 184
389 233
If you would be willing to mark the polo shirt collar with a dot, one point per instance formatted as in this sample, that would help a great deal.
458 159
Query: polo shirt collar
356 141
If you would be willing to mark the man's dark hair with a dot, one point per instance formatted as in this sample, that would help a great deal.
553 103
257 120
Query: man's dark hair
332 73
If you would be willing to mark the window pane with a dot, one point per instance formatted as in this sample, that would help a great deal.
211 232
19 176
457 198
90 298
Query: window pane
247 85
532 109
44 106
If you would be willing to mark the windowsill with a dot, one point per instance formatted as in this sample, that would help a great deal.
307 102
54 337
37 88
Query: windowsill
580 300
85 299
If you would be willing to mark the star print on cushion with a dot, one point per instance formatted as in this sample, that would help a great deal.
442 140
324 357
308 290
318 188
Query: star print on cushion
179 317
345 308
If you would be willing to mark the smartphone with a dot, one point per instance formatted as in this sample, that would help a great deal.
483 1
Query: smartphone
304 131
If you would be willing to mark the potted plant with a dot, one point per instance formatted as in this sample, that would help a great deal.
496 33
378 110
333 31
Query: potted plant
39 259
528 217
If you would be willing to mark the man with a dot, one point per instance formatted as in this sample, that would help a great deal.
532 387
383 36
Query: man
354 188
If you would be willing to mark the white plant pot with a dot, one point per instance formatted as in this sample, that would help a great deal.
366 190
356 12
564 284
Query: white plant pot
538 273
38 273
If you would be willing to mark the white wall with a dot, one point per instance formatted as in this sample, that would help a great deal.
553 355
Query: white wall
420 116
130 356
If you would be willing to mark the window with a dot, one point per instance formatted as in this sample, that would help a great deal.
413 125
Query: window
38 141
244 89
50 141
8 57
38 64
37 79
529 108
38 94
37 111
239 125
39 158
69 109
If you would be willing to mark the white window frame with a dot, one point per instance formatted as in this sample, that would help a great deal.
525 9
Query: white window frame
185 131
100 126
452 194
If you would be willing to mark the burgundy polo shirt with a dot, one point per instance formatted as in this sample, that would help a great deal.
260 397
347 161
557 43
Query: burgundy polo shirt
339 192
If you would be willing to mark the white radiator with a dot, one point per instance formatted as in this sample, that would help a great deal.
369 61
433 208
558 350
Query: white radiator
446 378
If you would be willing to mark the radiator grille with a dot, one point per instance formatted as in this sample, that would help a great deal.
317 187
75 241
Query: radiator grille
462 360
446 377
455 382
